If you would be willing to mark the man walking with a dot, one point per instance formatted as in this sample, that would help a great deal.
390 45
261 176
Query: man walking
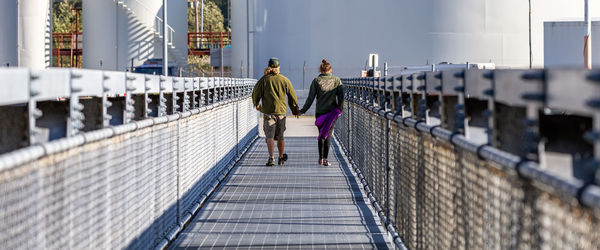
272 89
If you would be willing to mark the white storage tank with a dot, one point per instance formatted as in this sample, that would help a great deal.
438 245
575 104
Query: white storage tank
402 32
25 28
118 34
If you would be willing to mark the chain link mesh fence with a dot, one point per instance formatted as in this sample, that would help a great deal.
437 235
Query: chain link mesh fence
442 196
127 189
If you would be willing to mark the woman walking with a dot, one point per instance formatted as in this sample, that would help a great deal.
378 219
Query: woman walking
329 92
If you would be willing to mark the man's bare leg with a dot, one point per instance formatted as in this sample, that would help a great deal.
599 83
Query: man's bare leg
271 146
280 147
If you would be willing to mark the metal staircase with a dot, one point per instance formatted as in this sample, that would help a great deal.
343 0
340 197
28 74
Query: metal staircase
175 54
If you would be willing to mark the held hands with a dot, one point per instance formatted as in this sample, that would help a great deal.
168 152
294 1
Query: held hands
297 113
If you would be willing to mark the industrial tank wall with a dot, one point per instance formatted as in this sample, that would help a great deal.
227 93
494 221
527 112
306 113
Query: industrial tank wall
178 21
101 36
402 32
9 28
24 26
239 38
118 39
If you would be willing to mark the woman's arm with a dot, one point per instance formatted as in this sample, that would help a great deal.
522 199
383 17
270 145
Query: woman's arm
340 96
311 97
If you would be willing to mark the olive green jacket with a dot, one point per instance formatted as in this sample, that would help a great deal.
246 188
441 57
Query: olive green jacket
272 90
329 91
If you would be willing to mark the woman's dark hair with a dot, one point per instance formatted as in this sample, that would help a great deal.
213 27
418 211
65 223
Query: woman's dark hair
325 66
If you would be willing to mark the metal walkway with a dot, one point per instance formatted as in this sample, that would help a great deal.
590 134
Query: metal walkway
298 206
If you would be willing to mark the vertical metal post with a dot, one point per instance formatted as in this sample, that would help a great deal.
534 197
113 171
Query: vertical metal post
385 69
186 99
76 117
222 66
129 112
34 112
530 48
162 107
387 164
197 24
587 38
248 38
147 99
201 16
370 90
165 41
196 88
175 98
105 103
303 74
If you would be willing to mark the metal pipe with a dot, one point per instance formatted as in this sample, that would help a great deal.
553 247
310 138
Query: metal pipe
165 41
197 24
587 49
530 46
303 75
248 38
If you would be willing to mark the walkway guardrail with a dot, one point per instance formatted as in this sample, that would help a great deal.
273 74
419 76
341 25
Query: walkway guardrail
131 185
438 184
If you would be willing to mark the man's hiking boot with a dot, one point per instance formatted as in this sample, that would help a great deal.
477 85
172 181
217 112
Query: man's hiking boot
283 159
271 162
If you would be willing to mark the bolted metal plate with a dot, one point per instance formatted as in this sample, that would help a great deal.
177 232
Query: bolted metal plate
405 83
51 83
432 82
14 85
211 82
114 82
450 82
511 87
88 81
203 83
153 83
476 84
136 83
572 89
196 83
167 84
178 84
188 83
389 84
397 84
418 83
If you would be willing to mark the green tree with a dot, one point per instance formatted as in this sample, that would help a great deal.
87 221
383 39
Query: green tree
224 6
63 15
213 18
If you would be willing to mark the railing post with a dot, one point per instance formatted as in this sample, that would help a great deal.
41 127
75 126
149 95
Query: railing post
388 168
162 106
76 117
147 99
175 97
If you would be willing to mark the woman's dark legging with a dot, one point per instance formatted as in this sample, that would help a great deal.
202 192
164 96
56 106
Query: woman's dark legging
324 144
324 147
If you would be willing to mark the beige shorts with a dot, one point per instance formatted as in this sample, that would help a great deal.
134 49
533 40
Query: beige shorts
274 126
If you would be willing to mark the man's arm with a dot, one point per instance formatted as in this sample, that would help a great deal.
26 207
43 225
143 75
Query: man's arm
311 97
292 99
257 94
